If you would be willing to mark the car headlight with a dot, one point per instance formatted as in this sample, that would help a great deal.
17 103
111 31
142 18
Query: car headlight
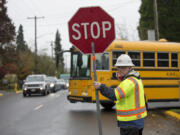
25 88
52 85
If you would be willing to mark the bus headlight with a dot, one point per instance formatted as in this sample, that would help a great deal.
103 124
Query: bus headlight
69 92
85 93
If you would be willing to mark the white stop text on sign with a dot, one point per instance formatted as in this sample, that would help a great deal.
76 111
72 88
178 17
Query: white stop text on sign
93 28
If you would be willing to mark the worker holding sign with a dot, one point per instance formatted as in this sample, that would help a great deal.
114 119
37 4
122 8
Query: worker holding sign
91 30
129 97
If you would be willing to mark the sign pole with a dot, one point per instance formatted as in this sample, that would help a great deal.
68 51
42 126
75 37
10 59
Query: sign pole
97 96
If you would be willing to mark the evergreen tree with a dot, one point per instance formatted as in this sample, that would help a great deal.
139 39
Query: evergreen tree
168 17
7 28
21 44
58 53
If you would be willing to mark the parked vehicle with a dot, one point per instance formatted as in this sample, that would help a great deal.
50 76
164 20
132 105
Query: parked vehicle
35 84
52 80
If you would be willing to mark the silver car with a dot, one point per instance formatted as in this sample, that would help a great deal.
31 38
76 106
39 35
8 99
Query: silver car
35 84
52 80
61 84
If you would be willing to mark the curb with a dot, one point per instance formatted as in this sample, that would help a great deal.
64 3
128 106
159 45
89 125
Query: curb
17 92
1 94
173 114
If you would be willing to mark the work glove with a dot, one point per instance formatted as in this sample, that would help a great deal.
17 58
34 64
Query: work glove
96 85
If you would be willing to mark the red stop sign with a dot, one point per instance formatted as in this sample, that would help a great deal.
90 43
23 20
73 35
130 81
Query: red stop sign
89 25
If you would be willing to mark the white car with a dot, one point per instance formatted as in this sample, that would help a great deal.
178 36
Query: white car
35 84
61 84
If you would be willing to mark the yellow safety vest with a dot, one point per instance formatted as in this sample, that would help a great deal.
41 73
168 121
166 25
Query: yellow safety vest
130 104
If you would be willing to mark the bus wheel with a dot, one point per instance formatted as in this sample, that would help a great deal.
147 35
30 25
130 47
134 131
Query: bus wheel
107 105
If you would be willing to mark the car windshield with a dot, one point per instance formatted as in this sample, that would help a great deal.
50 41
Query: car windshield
35 78
52 79
60 80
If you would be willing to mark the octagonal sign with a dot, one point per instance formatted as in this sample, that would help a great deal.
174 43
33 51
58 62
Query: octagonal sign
91 24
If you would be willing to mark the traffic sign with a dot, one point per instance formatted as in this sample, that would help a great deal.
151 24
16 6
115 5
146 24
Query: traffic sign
91 24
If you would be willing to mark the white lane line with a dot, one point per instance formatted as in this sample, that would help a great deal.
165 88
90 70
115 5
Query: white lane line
38 107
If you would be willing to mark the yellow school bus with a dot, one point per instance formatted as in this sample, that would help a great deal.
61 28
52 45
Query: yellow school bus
158 63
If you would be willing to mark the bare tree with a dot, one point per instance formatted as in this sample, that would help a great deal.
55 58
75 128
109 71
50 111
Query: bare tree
121 31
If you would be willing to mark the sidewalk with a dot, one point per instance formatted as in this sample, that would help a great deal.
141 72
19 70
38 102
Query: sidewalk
167 105
19 91
1 94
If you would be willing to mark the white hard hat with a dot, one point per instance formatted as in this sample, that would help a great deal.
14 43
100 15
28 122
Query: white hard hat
124 60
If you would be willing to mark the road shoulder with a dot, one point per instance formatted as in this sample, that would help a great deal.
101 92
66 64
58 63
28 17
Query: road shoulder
173 114
1 94
19 91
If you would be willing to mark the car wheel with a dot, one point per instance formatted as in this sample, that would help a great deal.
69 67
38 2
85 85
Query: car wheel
24 94
44 93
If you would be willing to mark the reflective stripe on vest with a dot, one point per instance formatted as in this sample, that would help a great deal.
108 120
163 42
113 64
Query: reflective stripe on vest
131 112
137 96
120 92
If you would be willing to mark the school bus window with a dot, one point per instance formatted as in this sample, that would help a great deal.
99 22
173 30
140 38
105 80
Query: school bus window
116 54
174 60
102 61
135 56
163 59
148 59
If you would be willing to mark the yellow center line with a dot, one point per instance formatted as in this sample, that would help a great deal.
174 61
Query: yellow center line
38 107
1 94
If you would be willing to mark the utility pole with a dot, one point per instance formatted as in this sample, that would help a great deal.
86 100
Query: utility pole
35 38
66 56
52 48
156 20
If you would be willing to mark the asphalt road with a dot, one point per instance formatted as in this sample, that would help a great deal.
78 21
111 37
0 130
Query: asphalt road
54 115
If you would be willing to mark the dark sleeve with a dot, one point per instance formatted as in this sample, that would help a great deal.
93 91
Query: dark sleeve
107 92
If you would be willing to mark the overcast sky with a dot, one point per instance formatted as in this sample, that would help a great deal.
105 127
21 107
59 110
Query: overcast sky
57 13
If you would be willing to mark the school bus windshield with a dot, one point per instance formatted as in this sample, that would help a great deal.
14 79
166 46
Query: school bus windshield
80 65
